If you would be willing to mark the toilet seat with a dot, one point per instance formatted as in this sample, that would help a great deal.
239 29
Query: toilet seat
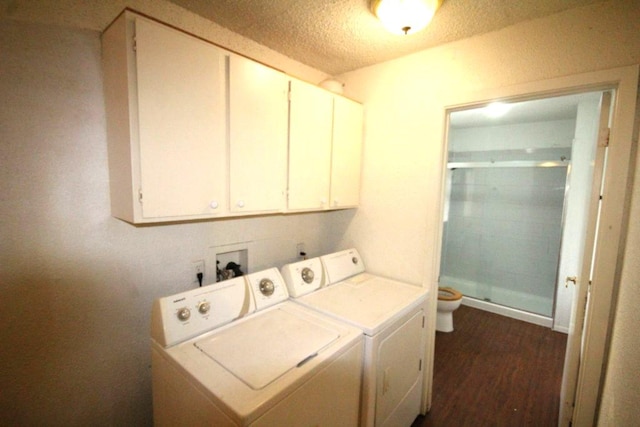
448 294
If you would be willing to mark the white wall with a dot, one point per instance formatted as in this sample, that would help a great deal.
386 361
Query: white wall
76 285
397 226
520 136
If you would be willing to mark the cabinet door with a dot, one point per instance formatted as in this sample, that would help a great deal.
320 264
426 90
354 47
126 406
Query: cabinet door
181 116
309 146
258 116
346 152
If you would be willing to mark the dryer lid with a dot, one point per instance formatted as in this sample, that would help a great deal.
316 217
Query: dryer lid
366 301
263 348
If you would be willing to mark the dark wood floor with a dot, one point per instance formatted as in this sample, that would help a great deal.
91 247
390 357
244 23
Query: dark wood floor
495 371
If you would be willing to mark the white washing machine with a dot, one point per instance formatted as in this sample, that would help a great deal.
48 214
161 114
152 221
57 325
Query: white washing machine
239 353
391 315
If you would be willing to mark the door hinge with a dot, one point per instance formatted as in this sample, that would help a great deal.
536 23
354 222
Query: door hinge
422 322
420 365
135 44
140 195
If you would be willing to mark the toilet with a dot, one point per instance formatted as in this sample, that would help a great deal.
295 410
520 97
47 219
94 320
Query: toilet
448 300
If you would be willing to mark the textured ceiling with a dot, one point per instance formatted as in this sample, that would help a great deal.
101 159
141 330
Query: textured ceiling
332 36
336 36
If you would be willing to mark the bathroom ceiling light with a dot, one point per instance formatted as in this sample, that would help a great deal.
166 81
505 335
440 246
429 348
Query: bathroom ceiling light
497 109
405 16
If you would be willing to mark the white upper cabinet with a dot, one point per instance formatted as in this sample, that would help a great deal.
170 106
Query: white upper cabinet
325 146
197 132
346 153
310 134
258 123
166 112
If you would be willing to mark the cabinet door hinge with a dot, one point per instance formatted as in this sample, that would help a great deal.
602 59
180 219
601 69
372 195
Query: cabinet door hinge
135 44
140 195
422 322
420 365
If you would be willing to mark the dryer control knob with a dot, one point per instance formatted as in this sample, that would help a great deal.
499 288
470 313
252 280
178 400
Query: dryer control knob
184 313
307 275
204 307
267 288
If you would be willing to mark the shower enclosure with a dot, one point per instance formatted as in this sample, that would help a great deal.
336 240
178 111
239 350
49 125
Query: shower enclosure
503 228
507 186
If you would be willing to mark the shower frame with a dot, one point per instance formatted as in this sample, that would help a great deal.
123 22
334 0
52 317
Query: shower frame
495 307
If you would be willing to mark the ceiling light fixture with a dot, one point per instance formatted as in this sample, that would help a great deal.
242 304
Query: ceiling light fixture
497 109
405 16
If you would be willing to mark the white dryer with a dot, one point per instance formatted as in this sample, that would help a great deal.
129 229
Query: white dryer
391 315
239 353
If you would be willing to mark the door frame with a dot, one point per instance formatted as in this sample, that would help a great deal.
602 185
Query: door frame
613 217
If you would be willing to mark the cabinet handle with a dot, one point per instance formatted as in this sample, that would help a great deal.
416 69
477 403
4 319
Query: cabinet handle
213 204
240 203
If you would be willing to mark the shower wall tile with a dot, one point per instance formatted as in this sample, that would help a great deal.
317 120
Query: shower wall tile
503 233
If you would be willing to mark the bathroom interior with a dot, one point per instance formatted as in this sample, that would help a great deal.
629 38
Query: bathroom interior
517 190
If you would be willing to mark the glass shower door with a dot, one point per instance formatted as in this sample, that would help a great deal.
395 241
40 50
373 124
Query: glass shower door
502 231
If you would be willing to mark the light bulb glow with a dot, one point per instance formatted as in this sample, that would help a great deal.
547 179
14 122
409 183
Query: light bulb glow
497 109
405 16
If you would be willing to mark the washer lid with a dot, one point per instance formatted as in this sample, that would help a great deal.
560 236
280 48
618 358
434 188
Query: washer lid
264 348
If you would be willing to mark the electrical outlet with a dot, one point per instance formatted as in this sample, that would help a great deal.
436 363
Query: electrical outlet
196 268
300 250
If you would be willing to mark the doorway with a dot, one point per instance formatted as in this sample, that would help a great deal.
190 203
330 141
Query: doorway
534 210
518 186
586 352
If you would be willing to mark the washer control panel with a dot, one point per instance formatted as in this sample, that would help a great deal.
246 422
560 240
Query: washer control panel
182 316
188 314
303 277
268 287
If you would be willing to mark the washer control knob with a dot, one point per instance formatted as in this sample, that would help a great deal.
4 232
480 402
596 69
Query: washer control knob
204 307
307 275
267 288
184 313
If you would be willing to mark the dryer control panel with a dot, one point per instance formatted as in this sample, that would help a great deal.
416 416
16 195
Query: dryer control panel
341 265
